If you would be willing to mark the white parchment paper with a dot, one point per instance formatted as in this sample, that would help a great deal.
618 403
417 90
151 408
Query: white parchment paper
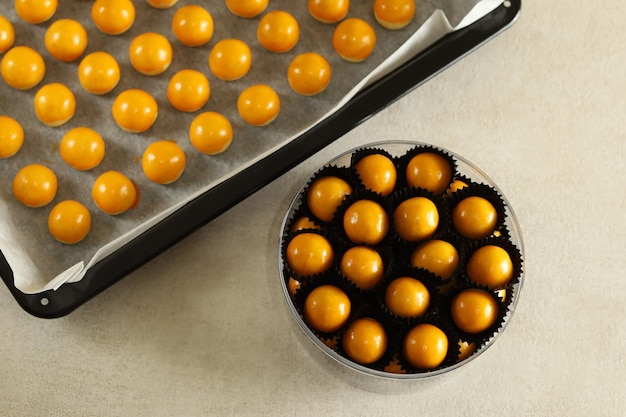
37 260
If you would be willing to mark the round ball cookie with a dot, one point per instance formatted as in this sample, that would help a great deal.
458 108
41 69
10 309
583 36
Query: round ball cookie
456 185
7 34
365 341
437 256
210 133
36 11
416 218
22 67
193 25
54 104
247 8
354 39
69 222
363 266
11 136
474 310
366 222
258 105
327 308
82 148
135 110
378 173
66 40
35 185
188 90
309 74
304 223
490 265
278 31
150 53
230 59
309 254
407 297
114 193
325 195
163 162
474 217
113 17
329 11
425 346
394 14
98 73
430 171
162 4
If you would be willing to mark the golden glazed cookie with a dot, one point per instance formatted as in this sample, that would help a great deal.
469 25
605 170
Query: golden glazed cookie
437 256
162 4
163 162
54 104
22 67
416 218
366 222
327 308
230 59
474 217
329 11
363 266
11 136
394 14
378 173
247 8
135 110
490 265
474 310
211 133
325 195
365 340
430 171
425 346
82 148
193 25
278 31
7 34
69 222
309 254
35 185
36 11
113 17
188 90
150 53
99 73
407 297
354 39
114 193
258 105
309 74
66 40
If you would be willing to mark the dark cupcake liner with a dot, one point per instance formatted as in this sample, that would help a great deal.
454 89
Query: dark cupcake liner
453 348
347 202
302 212
479 190
362 153
390 331
429 281
467 180
387 255
356 304
405 194
461 248
484 336
345 173
288 237
504 243
404 160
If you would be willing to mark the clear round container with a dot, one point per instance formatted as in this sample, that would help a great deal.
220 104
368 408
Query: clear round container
361 375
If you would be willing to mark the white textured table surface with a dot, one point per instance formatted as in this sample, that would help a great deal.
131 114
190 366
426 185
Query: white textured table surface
202 330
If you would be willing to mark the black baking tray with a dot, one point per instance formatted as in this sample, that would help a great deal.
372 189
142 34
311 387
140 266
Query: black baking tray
203 209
